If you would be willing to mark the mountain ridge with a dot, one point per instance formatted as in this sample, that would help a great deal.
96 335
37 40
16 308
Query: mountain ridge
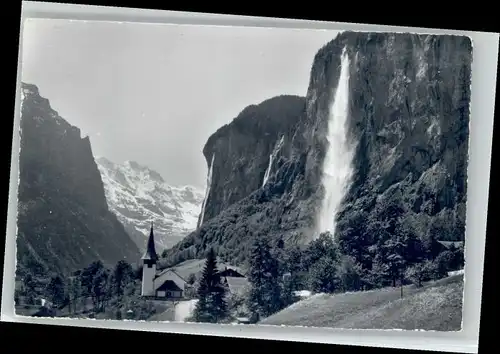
138 195
63 219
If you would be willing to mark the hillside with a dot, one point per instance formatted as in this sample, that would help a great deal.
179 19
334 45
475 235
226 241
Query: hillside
436 306
408 117
63 219
138 195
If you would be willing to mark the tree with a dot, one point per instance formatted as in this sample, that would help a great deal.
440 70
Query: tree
458 259
100 290
420 272
350 273
353 238
56 290
323 277
287 294
211 306
122 275
279 253
443 262
32 264
395 257
87 276
17 297
431 245
29 288
321 247
72 293
414 251
379 273
293 264
265 294
191 279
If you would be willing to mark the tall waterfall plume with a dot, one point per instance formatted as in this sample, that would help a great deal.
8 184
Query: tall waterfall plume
272 157
337 165
207 190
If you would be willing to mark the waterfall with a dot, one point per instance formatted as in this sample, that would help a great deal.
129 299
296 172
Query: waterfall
268 170
276 149
337 168
207 190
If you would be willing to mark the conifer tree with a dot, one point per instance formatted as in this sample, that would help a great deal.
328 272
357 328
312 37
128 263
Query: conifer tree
122 275
56 290
265 293
211 306
70 285
395 257
29 288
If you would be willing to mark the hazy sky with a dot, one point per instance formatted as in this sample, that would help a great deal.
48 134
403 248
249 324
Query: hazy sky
155 93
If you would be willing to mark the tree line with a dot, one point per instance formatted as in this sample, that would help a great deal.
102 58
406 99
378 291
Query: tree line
94 289
275 272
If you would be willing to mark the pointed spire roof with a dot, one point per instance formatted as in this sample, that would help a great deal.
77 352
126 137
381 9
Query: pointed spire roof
150 253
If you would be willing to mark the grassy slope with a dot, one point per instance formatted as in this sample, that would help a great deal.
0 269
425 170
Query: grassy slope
436 306
165 311
195 266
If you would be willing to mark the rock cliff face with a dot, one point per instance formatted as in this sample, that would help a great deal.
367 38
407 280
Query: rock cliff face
408 120
409 116
63 219
243 150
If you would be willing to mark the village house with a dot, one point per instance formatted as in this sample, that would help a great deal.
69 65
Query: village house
160 285
234 280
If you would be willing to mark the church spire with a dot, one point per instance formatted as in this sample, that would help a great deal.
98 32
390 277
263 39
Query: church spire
150 254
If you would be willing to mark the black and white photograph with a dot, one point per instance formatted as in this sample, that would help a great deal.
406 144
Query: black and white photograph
242 175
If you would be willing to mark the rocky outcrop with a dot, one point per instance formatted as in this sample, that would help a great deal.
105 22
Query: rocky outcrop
63 219
408 120
242 150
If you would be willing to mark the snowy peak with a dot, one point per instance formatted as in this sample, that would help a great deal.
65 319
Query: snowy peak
139 195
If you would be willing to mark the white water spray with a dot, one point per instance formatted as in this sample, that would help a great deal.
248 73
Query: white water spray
207 190
337 168
276 149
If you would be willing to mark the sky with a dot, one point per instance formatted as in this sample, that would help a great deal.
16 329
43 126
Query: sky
154 93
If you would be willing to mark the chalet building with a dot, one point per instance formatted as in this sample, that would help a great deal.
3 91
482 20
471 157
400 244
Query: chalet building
234 280
163 285
230 272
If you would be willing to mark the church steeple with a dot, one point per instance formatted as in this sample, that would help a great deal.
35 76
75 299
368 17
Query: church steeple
149 267
150 254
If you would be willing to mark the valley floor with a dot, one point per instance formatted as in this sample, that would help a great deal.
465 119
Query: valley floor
436 306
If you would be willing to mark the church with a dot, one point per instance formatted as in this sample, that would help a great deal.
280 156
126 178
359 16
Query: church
160 285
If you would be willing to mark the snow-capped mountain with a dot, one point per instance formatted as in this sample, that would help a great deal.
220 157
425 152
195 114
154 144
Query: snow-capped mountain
139 196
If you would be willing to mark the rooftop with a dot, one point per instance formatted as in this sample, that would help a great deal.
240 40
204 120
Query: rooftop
169 285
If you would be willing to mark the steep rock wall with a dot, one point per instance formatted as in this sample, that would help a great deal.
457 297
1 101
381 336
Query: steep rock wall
408 121
63 219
